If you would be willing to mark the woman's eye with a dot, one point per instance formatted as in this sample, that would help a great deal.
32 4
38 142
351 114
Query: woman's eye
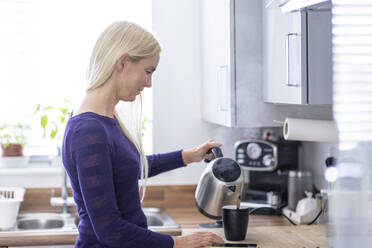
148 72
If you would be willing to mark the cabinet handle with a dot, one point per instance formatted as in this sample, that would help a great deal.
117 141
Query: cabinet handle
287 54
281 3
223 101
269 4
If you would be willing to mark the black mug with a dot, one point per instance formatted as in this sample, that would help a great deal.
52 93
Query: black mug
235 222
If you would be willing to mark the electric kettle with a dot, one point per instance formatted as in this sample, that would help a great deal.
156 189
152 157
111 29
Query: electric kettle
220 184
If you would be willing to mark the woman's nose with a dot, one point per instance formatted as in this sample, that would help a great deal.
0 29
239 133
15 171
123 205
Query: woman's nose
148 82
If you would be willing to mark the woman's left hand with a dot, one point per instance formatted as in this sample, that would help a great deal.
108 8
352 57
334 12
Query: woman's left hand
199 153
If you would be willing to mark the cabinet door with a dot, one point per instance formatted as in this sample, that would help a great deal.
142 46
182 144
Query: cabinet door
216 47
320 57
284 56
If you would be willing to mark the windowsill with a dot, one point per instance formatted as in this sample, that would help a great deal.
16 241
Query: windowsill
34 170
32 176
30 165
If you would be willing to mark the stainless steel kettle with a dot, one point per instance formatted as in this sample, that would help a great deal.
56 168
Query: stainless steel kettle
220 184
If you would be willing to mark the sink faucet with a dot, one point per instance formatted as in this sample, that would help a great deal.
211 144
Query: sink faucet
64 200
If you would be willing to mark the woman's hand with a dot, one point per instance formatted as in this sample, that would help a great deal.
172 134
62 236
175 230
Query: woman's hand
198 239
200 152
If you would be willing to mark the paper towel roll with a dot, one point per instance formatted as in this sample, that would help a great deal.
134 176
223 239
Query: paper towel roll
310 130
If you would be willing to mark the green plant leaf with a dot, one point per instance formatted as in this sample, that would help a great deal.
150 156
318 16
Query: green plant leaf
145 120
64 111
37 108
53 134
54 118
44 121
54 131
66 101
62 118
47 108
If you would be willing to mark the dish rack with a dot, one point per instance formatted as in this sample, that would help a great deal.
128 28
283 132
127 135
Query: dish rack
10 201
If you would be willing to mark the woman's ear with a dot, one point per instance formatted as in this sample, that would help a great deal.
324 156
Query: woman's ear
122 61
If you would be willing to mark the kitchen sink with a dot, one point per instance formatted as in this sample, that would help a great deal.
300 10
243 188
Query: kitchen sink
33 221
26 224
157 218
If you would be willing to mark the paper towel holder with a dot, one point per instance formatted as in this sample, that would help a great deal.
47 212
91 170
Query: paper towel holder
310 130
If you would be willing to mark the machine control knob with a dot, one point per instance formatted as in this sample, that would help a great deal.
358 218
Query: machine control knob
267 160
254 151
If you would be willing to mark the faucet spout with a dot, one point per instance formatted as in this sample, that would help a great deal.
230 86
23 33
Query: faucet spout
64 200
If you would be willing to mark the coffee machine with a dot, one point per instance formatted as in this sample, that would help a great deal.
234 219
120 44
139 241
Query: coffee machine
266 165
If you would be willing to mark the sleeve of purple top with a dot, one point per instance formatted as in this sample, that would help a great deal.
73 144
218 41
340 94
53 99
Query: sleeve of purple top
159 163
92 154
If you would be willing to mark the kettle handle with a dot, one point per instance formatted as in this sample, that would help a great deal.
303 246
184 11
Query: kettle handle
217 153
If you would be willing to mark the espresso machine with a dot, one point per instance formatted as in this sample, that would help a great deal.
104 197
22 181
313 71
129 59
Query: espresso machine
265 165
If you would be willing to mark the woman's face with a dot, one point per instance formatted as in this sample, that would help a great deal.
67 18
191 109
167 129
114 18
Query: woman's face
133 76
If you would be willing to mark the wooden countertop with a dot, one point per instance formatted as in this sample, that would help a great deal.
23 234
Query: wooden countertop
191 218
263 230
52 237
281 236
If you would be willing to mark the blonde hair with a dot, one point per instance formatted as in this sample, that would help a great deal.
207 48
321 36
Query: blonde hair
117 39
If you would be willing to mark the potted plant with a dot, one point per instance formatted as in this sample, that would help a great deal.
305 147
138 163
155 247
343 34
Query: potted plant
12 139
53 120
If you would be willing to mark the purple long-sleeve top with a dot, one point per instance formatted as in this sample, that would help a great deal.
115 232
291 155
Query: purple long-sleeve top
104 168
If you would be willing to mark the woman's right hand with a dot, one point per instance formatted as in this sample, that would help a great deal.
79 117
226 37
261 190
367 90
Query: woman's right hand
198 239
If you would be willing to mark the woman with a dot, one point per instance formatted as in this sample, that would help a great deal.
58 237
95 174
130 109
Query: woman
104 161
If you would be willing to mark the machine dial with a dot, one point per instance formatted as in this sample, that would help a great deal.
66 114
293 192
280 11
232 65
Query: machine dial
254 151
267 159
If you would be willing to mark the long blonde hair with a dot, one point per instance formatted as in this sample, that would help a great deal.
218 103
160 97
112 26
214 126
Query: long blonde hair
117 39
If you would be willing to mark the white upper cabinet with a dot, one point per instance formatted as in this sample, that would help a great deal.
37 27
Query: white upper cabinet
297 56
292 5
217 61
232 67
319 57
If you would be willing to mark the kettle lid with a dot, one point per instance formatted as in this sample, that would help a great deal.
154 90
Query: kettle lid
226 169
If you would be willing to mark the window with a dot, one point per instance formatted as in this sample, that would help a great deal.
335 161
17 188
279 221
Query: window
45 48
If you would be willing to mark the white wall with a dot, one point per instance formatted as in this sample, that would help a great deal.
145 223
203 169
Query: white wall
177 91
177 85
313 159
177 104
177 98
